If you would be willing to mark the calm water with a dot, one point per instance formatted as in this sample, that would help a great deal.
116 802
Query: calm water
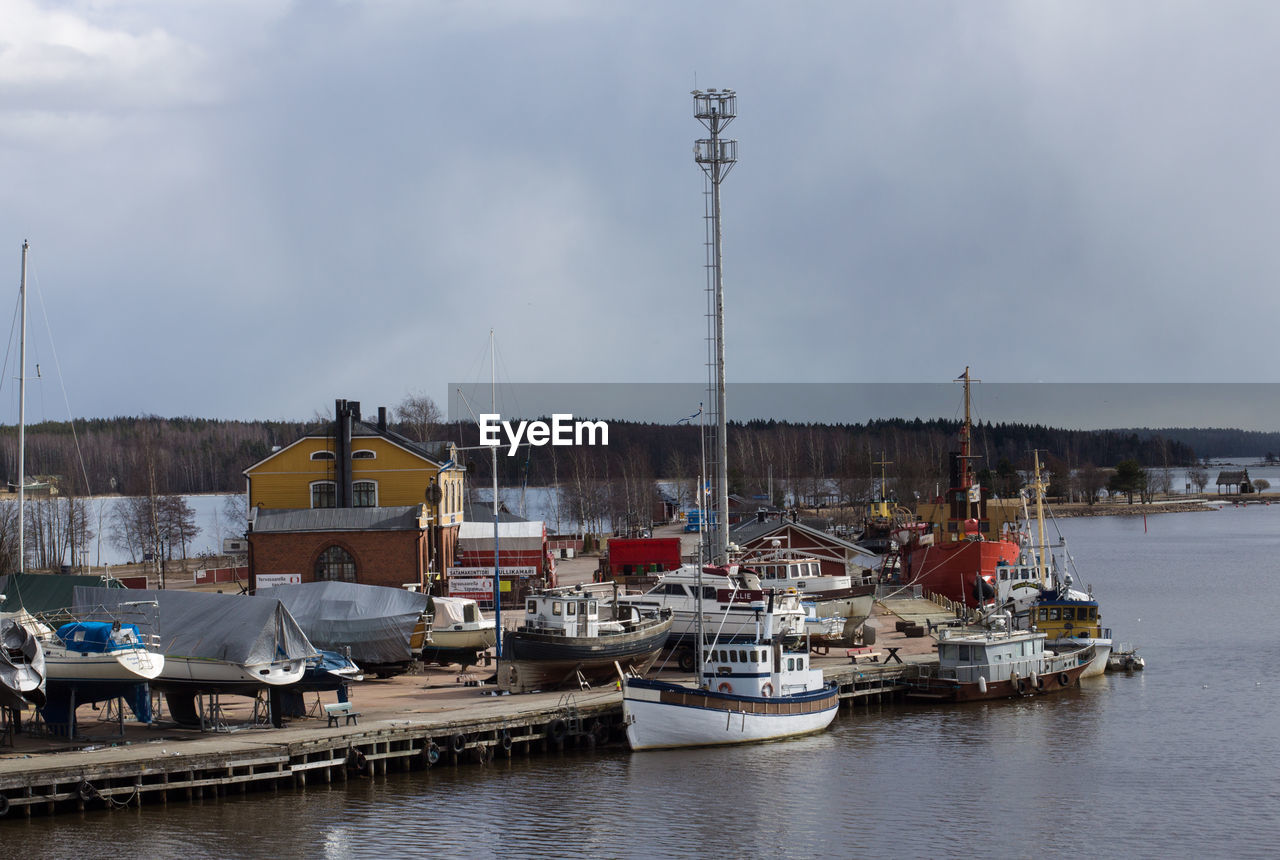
1178 761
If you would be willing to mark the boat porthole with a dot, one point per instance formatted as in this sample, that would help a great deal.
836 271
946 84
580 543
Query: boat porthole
1064 679
725 687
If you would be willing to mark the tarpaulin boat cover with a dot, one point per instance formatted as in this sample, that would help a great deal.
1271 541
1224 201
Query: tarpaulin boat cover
45 592
376 622
229 627
452 610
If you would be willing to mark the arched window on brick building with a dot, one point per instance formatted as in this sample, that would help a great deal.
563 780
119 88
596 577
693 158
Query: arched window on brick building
335 564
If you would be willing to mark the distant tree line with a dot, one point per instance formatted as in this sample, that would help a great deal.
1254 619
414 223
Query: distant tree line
149 456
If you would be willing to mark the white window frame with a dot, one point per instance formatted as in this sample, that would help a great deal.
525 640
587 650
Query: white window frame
323 455
311 488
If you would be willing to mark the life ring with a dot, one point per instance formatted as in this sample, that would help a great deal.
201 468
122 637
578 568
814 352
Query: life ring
1064 679
457 743
766 690
85 791
431 753
556 730
504 740
725 687
4 806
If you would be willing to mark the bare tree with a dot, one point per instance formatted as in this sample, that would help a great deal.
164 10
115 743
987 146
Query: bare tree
1198 477
420 415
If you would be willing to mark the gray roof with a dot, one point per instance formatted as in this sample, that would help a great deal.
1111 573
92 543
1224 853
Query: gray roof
750 530
482 512
392 519
1239 477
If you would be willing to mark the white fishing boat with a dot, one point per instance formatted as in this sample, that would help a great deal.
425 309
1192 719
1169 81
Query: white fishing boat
832 596
748 691
725 599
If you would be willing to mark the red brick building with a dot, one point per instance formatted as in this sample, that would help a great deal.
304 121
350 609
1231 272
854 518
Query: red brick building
373 546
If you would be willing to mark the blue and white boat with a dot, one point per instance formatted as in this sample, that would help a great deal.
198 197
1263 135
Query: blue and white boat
757 690
100 651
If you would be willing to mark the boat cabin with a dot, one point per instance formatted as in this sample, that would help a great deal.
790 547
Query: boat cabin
1067 619
99 637
565 614
798 573
965 657
760 669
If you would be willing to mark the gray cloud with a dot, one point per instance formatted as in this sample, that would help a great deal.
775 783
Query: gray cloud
246 210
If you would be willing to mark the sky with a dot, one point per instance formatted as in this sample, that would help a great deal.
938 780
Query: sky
248 208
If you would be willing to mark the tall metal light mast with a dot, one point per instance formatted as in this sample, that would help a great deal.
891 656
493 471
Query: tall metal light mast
715 109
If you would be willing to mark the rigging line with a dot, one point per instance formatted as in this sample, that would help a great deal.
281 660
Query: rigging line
57 366
8 353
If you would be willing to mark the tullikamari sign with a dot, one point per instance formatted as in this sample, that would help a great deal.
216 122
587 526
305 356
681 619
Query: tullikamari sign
477 582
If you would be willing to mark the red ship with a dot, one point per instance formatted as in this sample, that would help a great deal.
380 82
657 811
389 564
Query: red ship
954 550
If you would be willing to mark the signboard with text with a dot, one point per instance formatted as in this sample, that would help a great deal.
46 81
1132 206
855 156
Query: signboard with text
271 580
477 582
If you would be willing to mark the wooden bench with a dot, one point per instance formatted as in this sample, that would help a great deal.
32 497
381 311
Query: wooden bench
863 655
341 709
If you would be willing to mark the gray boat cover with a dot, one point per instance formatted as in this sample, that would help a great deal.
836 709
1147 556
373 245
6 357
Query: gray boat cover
376 622
230 627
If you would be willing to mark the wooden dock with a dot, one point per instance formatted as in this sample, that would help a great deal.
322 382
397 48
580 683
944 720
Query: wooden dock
408 723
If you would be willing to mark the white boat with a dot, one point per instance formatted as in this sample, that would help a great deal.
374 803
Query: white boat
833 596
459 632
748 691
22 666
728 598
215 642
100 652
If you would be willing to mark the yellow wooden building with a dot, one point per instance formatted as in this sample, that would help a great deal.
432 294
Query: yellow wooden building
353 463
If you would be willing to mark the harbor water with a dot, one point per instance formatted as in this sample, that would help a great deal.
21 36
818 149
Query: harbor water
1177 761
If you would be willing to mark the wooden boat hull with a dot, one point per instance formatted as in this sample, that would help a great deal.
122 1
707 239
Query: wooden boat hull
661 715
543 661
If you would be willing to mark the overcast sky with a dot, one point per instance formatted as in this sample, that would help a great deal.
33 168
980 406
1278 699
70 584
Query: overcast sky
246 208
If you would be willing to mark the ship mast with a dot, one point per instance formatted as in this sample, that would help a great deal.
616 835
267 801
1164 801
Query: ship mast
22 408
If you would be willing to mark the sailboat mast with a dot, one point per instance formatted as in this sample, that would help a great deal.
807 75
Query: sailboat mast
493 454
1042 569
22 411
